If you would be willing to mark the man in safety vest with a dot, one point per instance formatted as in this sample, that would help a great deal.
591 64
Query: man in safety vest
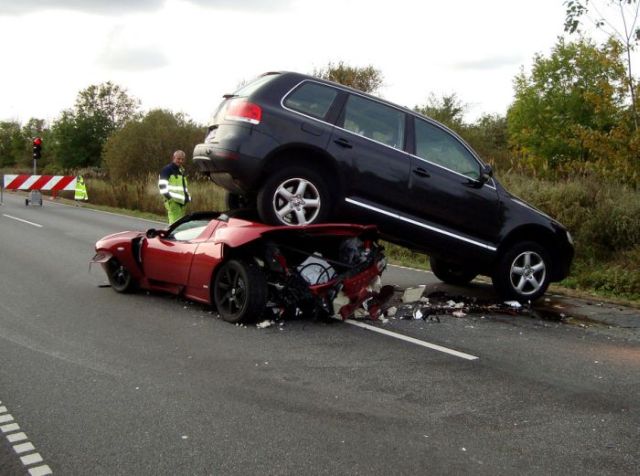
173 187
80 193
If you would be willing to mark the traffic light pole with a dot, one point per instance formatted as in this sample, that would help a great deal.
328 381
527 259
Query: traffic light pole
35 196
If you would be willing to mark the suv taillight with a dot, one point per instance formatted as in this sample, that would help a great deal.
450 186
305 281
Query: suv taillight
243 110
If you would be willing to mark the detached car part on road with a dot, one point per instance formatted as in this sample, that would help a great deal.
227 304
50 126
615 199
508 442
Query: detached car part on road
302 150
245 268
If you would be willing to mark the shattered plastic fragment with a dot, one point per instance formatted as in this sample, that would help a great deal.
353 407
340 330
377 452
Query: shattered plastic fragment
413 294
265 324
513 304
360 313
417 313
338 302
458 314
391 311
376 284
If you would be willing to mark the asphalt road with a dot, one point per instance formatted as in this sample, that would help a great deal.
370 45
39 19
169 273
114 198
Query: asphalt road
108 384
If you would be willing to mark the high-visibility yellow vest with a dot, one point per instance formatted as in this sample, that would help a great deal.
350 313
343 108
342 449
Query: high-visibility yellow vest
81 190
172 184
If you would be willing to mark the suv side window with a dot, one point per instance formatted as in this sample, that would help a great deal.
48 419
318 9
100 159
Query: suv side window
312 99
375 121
441 148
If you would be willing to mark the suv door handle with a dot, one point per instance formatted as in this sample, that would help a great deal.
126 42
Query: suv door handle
342 142
421 172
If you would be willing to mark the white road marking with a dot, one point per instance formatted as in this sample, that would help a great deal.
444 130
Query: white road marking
33 458
422 343
22 445
40 470
410 268
23 221
8 428
6 418
15 437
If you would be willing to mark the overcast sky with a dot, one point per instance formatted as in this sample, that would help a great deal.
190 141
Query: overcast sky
183 55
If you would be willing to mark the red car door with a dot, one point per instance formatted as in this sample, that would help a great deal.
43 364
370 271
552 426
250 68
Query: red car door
168 258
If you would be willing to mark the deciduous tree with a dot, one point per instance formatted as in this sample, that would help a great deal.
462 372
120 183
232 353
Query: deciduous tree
447 109
367 78
80 133
144 146
11 143
619 19
579 88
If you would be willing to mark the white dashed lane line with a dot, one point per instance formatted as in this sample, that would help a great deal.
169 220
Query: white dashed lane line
412 340
24 448
21 220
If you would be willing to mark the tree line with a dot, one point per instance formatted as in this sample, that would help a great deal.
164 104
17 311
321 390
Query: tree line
574 113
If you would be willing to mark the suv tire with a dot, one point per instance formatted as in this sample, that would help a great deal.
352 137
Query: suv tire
451 273
523 272
294 196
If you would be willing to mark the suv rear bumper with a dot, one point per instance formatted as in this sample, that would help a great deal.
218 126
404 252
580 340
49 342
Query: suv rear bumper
235 158
224 167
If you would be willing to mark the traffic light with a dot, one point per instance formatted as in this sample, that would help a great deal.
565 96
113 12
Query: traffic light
37 147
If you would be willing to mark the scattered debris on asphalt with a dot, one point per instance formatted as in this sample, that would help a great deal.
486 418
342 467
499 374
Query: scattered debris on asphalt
413 305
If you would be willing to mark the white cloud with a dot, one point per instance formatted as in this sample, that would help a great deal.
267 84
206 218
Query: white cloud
184 55
24 7
119 7
124 51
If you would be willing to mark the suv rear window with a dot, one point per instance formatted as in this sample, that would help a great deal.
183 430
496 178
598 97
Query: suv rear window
312 99
249 89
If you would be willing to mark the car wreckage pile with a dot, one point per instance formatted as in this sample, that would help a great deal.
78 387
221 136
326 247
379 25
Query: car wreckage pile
320 276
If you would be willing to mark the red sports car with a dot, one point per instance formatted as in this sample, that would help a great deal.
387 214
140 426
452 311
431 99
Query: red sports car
246 269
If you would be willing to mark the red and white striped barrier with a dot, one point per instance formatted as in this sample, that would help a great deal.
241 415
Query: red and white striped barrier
40 182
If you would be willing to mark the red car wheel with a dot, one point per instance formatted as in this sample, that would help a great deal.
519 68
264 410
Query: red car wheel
239 291
119 277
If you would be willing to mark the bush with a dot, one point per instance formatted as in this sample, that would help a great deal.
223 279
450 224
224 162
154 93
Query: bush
604 220
145 146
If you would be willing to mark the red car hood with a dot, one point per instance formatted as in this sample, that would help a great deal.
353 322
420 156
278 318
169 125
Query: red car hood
115 238
238 232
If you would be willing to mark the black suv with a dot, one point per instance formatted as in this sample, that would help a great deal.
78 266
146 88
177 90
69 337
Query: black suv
302 150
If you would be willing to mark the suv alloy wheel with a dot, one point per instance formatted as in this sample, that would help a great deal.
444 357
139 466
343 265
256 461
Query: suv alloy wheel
294 196
523 272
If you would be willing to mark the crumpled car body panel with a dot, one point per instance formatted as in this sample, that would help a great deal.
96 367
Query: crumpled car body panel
305 267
